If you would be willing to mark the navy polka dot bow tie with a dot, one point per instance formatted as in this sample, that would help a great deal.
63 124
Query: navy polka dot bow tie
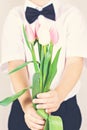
32 14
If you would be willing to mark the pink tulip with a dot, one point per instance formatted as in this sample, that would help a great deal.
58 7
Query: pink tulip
54 35
45 34
37 26
30 33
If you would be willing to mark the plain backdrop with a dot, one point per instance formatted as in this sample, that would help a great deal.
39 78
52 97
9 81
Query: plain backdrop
5 6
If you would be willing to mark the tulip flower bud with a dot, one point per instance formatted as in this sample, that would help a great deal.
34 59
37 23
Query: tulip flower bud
54 35
30 34
43 35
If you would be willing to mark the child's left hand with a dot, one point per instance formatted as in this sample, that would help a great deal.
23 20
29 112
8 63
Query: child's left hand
48 101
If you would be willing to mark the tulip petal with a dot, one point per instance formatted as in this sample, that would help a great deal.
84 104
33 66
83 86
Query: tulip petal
30 33
54 35
43 35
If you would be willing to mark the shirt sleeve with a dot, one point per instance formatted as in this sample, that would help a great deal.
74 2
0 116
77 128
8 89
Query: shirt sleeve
12 47
76 44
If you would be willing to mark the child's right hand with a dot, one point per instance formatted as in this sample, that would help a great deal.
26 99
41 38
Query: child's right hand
32 119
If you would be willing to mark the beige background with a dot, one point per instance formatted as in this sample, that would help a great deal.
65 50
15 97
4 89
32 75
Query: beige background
5 6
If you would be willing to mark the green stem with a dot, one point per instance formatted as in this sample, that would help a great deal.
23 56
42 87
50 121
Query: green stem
44 76
51 49
36 67
41 67
44 48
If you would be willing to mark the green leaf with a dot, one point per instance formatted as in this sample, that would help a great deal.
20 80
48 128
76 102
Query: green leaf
26 38
36 85
47 61
52 71
41 67
42 59
10 99
55 123
36 67
45 116
46 127
46 67
42 113
51 49
52 122
20 67
39 50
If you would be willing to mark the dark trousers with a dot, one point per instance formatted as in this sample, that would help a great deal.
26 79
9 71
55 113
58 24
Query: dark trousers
69 112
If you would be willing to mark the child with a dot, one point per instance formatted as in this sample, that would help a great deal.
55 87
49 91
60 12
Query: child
61 99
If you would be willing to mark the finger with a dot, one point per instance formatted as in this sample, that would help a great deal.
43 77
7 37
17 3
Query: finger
34 114
35 120
36 126
34 129
33 125
45 100
50 110
45 95
45 106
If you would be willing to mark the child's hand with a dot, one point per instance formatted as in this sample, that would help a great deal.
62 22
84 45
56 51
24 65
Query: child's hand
33 120
48 101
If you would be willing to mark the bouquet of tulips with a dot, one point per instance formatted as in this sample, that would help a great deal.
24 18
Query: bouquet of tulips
45 38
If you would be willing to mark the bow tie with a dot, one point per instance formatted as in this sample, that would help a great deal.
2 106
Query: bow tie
32 14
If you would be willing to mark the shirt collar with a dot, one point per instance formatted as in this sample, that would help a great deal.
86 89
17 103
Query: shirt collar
56 4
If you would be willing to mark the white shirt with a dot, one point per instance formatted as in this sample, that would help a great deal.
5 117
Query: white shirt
72 31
